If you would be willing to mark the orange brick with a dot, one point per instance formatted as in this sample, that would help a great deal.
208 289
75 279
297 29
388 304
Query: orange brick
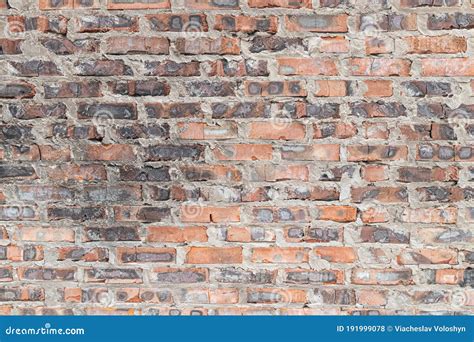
287 255
243 152
46 234
277 130
378 88
317 23
176 234
281 3
438 44
209 214
337 254
380 67
214 255
447 67
336 213
137 4
306 66
449 276
337 44
331 88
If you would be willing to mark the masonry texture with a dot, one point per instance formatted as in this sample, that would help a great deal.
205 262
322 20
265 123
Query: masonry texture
217 157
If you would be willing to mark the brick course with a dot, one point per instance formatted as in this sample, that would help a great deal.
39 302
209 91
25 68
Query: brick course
206 157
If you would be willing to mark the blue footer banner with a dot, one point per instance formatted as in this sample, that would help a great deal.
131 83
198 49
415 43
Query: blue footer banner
241 329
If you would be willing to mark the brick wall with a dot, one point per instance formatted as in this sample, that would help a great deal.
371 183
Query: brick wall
236 157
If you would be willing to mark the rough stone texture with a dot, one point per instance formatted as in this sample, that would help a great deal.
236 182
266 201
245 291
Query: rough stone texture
236 157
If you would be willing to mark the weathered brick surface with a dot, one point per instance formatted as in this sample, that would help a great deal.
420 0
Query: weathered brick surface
205 157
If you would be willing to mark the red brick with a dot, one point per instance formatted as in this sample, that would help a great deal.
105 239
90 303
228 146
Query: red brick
203 131
336 254
317 23
449 276
176 234
438 44
281 88
334 130
242 23
63 4
336 44
66 172
138 4
139 255
374 173
326 152
380 67
280 3
39 234
430 215
275 173
203 46
337 213
376 45
382 276
276 296
209 214
214 255
122 45
278 130
109 153
211 172
211 5
376 153
287 255
378 88
178 22
332 88
460 66
246 152
307 67
180 275
95 254
427 256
